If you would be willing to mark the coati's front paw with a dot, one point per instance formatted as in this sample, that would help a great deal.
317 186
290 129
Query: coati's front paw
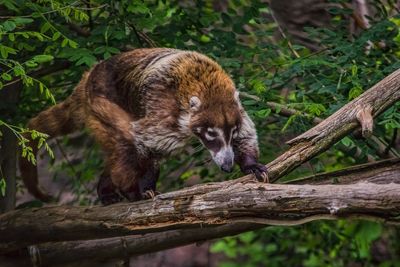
259 171
149 194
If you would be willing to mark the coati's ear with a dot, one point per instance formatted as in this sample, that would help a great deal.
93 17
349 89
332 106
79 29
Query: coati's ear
194 103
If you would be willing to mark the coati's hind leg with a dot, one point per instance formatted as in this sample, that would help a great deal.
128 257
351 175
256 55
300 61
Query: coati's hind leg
147 183
134 175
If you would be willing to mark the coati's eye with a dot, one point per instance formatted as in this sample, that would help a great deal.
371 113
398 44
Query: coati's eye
211 134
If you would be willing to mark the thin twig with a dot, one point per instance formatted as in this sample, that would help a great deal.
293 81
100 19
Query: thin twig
284 36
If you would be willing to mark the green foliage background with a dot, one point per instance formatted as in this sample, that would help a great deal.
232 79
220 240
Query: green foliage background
71 36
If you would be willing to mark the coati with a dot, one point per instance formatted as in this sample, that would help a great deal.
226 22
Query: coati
141 106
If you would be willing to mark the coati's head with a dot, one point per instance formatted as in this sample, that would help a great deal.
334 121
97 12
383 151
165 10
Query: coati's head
216 123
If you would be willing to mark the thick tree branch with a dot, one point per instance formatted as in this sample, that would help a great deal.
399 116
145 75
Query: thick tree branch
203 206
48 254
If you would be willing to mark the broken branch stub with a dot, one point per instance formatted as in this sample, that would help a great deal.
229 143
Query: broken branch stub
364 117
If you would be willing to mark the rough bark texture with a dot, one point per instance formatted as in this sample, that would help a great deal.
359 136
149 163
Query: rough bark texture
50 254
381 172
200 207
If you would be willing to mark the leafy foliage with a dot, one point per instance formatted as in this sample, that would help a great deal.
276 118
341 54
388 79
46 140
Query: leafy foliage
46 45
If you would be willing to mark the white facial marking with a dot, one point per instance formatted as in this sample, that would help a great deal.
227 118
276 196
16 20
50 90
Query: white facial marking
209 137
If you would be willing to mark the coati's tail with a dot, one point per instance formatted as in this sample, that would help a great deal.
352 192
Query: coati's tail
61 119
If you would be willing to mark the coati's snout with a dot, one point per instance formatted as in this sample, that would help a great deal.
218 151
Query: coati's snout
224 158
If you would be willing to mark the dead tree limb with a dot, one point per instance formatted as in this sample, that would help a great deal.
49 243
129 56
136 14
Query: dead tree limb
241 200
203 206
49 254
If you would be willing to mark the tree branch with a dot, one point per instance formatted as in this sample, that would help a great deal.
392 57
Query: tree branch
380 172
49 254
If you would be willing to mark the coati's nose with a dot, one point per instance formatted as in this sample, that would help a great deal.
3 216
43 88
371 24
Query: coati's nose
227 166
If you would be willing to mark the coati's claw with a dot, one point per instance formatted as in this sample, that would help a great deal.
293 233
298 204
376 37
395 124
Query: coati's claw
150 194
259 171
265 177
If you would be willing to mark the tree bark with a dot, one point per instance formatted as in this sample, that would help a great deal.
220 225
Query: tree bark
203 206
49 254
380 172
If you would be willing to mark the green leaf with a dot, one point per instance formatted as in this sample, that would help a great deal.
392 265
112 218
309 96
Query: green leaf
6 77
355 92
20 20
56 35
315 109
11 36
204 38
5 50
137 7
42 58
263 113
368 232
3 186
72 44
113 50
9 25
31 64
347 141
64 42
45 27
